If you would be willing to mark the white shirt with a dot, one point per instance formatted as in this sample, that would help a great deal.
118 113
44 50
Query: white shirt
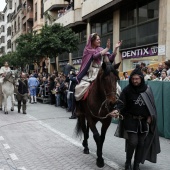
5 70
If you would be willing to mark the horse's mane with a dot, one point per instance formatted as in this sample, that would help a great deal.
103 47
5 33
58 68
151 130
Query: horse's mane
108 67
8 75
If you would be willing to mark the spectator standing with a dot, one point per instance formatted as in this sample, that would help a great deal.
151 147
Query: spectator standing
57 95
164 76
51 88
33 84
67 69
167 67
126 76
22 93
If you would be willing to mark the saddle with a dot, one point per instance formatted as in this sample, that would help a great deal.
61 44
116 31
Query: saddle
87 92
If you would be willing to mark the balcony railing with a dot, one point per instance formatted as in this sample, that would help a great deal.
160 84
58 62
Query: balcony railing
19 7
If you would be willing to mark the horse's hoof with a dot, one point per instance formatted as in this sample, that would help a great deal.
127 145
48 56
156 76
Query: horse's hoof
100 162
86 151
12 110
6 113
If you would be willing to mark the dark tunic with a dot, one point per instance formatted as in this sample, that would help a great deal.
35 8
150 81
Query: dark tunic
152 145
23 86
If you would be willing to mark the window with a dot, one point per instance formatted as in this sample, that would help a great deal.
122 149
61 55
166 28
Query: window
9 44
8 31
2 39
9 17
2 28
10 4
139 24
1 17
35 11
104 28
42 8
142 13
18 23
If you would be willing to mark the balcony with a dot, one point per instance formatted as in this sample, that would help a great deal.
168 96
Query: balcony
70 18
89 7
19 7
28 17
51 5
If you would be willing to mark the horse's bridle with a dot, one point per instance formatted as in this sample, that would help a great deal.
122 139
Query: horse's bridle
106 105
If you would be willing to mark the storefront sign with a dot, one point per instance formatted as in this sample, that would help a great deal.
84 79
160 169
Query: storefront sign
141 52
63 63
161 50
77 62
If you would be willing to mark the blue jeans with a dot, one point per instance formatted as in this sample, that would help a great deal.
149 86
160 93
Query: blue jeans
33 91
57 99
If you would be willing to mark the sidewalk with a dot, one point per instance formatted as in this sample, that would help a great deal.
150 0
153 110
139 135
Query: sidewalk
44 140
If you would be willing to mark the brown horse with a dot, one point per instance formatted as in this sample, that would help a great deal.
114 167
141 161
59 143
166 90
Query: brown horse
96 107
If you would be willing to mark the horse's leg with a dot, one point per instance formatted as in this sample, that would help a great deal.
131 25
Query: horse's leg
85 129
105 125
12 102
96 136
5 104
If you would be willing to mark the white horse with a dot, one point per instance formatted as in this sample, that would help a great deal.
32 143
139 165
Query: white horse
8 85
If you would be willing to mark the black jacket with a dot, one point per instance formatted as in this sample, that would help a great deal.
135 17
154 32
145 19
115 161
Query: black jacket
23 86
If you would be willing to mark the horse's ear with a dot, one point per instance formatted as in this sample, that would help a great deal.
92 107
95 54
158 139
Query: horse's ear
116 66
103 65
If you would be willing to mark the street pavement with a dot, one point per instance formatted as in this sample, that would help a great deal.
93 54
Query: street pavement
44 139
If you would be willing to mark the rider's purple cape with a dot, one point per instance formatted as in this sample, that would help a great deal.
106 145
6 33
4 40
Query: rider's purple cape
88 54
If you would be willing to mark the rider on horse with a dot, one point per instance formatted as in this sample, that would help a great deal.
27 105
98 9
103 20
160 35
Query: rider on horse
91 62
3 71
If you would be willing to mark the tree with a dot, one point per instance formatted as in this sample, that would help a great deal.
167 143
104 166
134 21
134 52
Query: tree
56 39
27 48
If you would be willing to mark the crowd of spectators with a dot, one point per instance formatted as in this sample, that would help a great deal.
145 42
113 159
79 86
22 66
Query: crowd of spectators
60 88
63 11
161 73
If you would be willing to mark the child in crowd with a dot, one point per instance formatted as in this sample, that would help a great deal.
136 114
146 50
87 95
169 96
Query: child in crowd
57 95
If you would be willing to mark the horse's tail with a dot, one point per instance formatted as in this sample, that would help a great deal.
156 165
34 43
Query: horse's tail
78 128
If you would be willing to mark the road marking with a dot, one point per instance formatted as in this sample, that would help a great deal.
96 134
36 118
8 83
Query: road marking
107 161
13 156
1 138
6 146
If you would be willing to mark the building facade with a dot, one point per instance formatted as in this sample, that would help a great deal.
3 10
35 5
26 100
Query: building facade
5 28
141 24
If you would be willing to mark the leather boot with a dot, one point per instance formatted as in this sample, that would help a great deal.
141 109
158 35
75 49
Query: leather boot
128 166
136 166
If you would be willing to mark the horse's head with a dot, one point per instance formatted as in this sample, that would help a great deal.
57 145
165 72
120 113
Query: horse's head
11 77
108 80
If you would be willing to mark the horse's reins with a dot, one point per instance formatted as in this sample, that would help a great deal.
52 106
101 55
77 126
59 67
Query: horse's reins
119 116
